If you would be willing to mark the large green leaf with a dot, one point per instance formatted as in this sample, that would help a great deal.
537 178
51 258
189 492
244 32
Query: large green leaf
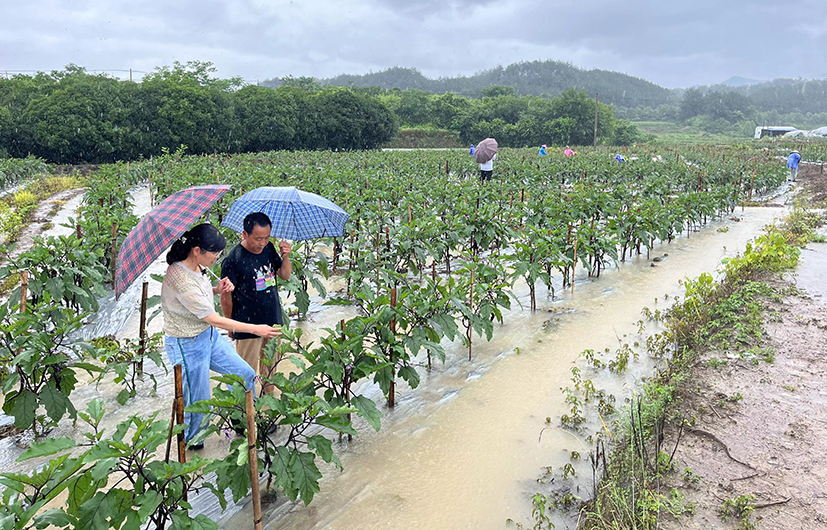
101 470
47 447
24 409
368 410
7 522
302 301
410 375
81 489
55 518
324 448
54 402
182 521
337 423
305 475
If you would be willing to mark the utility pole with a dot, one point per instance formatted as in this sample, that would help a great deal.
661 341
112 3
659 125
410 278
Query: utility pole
130 75
596 103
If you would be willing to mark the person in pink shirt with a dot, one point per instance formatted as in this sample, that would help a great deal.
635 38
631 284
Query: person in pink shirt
569 152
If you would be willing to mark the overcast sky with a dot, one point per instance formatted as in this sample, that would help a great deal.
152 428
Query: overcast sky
675 43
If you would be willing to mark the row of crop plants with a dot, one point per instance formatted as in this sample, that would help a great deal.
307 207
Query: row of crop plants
430 255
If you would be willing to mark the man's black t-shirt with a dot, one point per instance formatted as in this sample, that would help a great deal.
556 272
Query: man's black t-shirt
256 297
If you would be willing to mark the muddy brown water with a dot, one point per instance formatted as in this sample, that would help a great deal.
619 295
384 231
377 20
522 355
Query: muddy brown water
464 449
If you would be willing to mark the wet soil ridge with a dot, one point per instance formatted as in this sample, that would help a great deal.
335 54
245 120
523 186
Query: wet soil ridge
765 406
734 432
760 432
41 220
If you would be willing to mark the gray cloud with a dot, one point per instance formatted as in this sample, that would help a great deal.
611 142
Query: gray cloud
678 43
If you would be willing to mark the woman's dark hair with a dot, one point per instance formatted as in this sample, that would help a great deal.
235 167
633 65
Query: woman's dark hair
204 236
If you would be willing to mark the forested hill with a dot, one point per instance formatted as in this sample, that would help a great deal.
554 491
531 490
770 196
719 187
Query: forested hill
781 95
527 78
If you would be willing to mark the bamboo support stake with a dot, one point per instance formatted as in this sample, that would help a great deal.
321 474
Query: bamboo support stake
24 290
346 382
392 391
142 326
574 264
350 262
253 457
171 425
114 250
471 308
179 413
410 217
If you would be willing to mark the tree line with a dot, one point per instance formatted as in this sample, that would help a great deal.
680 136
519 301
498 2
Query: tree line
515 121
736 111
72 117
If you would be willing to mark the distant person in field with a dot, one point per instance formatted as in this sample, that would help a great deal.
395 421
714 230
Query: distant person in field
569 152
253 266
543 151
471 152
190 319
792 163
487 169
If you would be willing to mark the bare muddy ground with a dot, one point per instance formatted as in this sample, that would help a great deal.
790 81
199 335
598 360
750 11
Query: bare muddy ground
760 424
41 219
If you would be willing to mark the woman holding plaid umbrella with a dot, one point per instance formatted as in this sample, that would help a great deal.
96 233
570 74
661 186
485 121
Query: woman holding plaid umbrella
190 319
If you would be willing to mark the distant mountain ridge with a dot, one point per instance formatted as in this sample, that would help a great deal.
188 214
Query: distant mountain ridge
615 88
737 80
527 78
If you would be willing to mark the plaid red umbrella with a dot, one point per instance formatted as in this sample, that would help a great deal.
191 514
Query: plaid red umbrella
159 228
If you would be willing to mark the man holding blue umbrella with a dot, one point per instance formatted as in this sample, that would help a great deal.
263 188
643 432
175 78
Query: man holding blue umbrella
252 266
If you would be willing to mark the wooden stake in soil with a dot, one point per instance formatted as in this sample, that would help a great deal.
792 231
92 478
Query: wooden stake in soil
471 308
346 382
253 457
114 250
171 425
142 328
392 391
179 413
24 290
574 264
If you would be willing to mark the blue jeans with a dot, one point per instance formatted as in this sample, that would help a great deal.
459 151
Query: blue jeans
197 356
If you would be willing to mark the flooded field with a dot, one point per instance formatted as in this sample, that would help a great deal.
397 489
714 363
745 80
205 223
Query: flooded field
464 450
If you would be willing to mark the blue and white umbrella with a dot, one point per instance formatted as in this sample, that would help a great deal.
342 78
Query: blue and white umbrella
296 215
